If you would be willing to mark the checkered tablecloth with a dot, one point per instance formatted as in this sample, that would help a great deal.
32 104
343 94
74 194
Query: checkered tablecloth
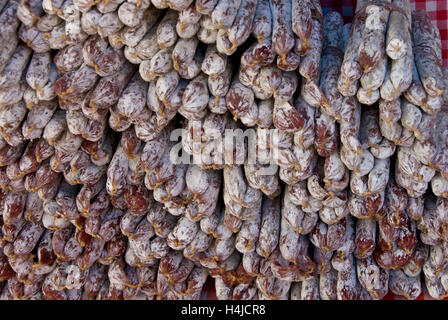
437 10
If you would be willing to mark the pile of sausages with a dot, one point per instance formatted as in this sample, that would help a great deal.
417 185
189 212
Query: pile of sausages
93 207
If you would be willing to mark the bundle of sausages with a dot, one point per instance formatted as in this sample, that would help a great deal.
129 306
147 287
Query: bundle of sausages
347 198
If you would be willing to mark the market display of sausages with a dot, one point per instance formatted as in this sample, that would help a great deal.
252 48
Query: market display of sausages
347 198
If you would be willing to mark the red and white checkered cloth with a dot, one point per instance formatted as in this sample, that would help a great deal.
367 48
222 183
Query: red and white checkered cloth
437 10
